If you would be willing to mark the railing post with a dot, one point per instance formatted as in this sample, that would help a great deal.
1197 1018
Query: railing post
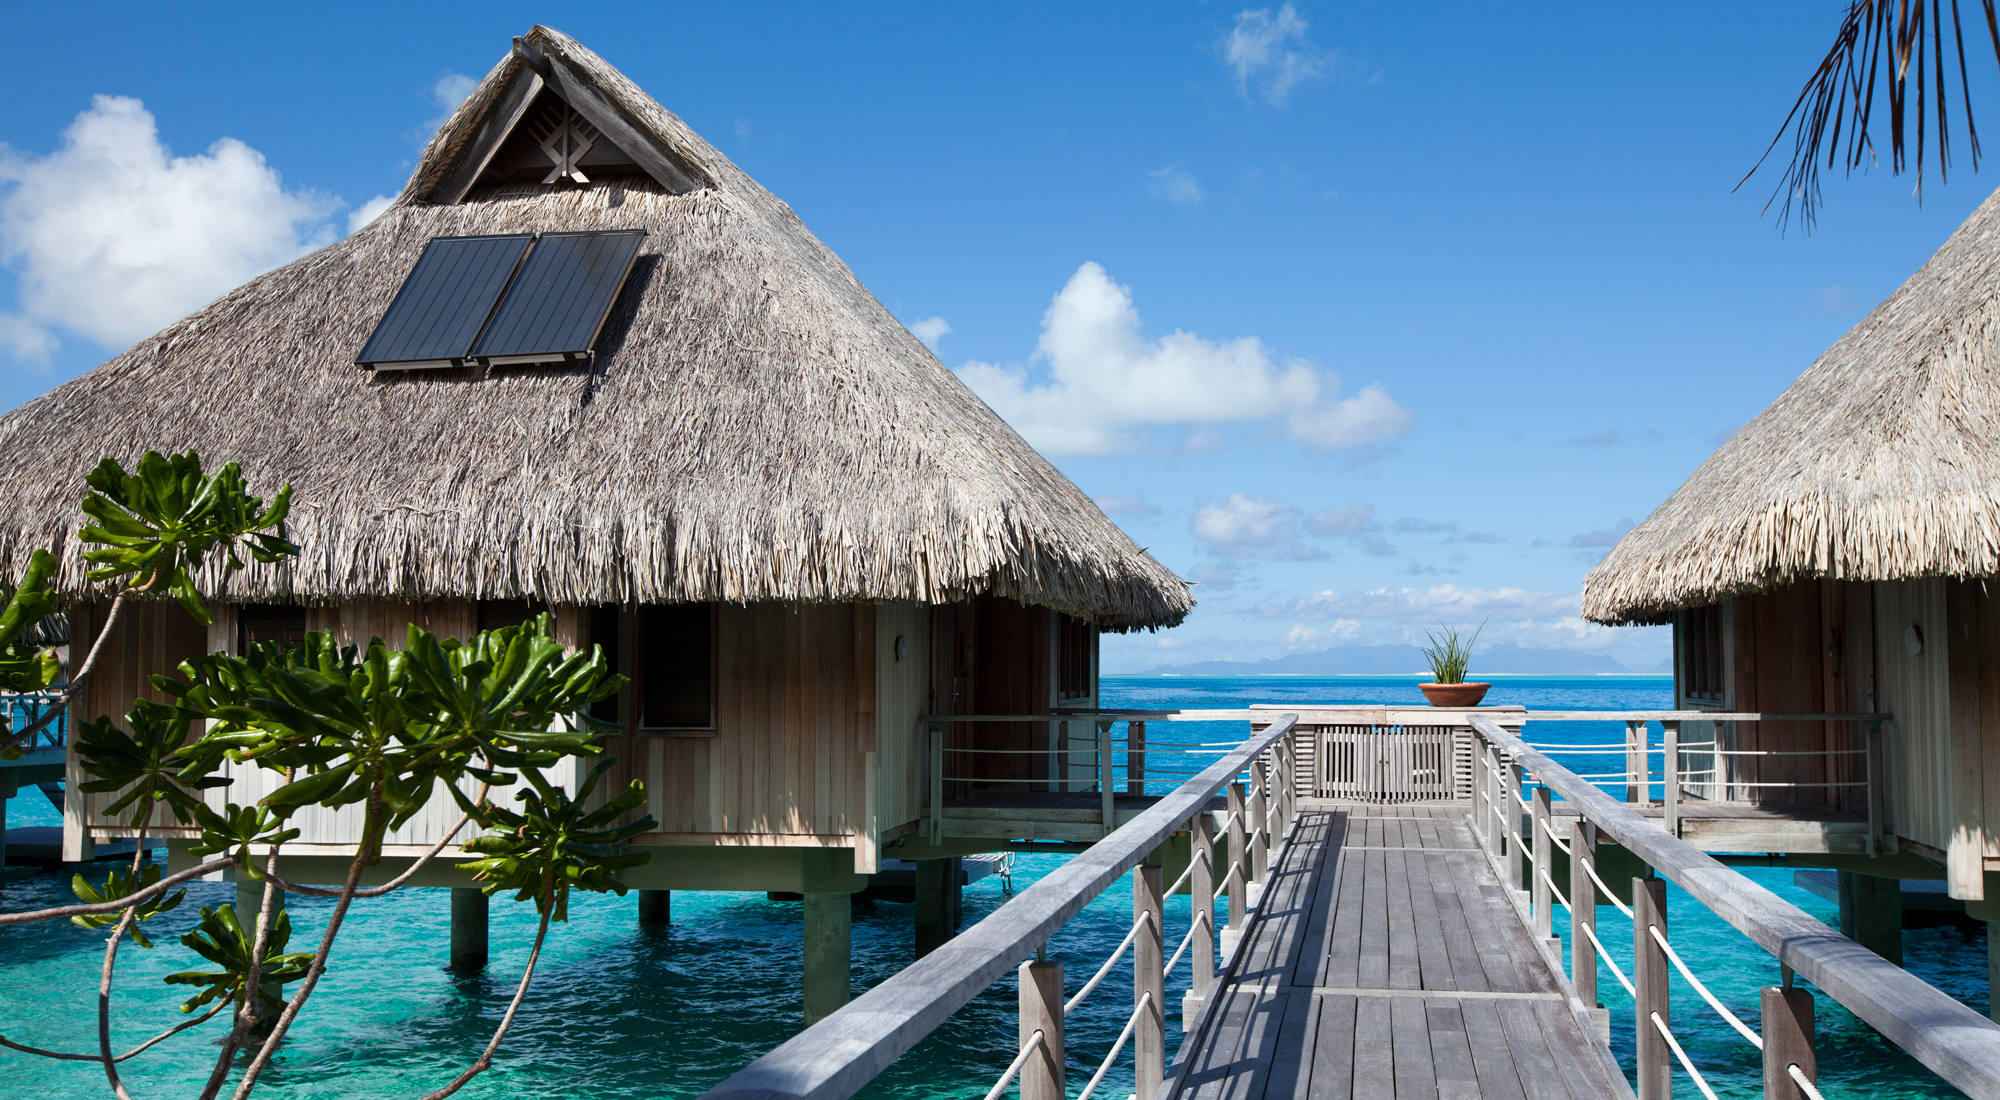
1482 810
1649 979
1149 984
1583 903
1543 839
1496 834
1512 805
1201 908
1106 791
1238 864
1670 776
1135 758
1636 766
937 784
1042 1010
1788 1042
1872 734
1287 791
1260 821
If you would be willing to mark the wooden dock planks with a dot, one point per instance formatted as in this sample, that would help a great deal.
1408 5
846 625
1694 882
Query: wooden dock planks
1387 962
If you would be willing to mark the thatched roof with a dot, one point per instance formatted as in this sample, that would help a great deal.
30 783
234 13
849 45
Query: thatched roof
1881 462
755 425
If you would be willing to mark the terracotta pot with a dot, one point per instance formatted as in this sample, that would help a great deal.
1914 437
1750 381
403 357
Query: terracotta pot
1455 695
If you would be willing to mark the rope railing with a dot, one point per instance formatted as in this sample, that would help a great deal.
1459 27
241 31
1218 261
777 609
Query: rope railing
1666 1033
1728 1017
1104 1067
839 1055
1960 1045
1033 1044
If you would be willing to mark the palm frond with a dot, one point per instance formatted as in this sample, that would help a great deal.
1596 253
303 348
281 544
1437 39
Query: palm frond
1899 46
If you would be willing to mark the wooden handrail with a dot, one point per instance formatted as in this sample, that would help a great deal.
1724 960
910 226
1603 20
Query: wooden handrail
838 1056
1955 1042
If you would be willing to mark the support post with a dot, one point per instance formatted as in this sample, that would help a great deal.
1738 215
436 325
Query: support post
937 883
1149 985
1670 776
1042 1010
1871 913
1512 805
7 789
1583 900
829 942
1239 894
1260 820
1135 758
656 906
1788 1042
1543 839
1649 979
1201 909
468 928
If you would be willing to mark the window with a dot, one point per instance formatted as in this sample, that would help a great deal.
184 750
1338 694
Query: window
284 623
1698 637
604 622
676 667
1076 660
494 614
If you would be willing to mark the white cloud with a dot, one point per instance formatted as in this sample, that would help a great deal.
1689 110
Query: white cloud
447 93
1385 616
1107 384
1354 519
26 341
1214 576
112 237
1251 526
368 212
930 330
1135 505
1268 54
743 129
1175 184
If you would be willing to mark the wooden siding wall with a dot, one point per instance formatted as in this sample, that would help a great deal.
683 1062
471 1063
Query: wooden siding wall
994 656
1927 804
902 694
1791 654
152 637
795 712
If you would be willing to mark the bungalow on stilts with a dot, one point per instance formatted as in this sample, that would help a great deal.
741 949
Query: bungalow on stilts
585 364
1836 556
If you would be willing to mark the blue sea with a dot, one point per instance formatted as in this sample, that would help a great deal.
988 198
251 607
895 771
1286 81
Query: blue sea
620 1012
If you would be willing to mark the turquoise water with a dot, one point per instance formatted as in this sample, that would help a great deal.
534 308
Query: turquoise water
621 1012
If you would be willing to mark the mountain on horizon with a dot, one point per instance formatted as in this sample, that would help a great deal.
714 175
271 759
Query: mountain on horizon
1503 658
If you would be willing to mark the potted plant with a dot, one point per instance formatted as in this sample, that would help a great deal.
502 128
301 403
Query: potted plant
1447 657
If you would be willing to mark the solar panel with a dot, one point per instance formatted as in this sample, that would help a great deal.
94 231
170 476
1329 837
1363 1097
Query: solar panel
558 303
444 302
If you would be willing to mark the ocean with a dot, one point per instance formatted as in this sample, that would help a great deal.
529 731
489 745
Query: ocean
621 1012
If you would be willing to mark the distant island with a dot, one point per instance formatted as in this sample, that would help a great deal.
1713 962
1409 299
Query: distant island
1502 659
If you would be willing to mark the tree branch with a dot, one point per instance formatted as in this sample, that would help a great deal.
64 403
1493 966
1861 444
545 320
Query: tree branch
507 1021
160 887
133 1053
394 883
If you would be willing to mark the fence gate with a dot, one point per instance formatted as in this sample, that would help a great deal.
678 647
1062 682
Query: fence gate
1388 763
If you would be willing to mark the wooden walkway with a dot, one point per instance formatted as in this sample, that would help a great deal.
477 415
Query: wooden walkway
1387 961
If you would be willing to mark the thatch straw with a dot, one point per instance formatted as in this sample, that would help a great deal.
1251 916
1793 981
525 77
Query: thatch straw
1881 462
756 426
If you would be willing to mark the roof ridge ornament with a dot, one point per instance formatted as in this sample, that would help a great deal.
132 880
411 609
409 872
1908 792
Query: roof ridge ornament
569 137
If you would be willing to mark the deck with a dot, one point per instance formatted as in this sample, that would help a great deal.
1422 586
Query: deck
1388 961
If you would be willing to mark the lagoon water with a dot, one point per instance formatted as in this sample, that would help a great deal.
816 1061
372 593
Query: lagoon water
619 1012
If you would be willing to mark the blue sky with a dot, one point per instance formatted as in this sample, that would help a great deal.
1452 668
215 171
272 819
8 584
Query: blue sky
1367 316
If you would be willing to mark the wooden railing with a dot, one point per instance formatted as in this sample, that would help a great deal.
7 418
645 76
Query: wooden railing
836 1057
1515 822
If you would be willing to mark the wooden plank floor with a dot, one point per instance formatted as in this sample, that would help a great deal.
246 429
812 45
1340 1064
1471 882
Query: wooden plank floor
1387 962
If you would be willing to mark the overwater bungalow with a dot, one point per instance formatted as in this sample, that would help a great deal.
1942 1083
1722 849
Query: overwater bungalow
1835 557
585 364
